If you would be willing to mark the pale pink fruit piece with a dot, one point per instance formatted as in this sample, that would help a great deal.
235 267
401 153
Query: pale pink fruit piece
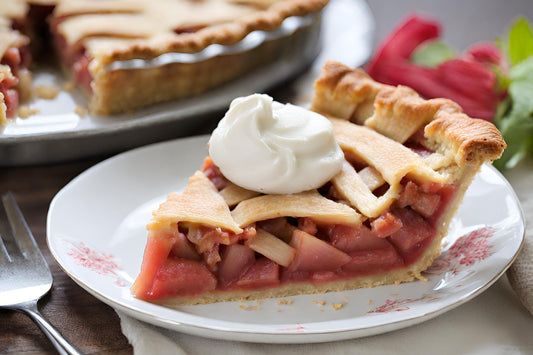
236 259
313 254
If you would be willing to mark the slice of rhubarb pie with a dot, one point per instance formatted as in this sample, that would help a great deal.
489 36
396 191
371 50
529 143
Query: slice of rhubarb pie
290 202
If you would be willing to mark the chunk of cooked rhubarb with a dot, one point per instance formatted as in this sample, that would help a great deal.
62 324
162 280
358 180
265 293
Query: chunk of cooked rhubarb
323 276
385 225
11 99
204 237
373 260
8 93
158 247
263 273
272 247
183 248
236 259
81 73
424 203
307 225
313 254
212 257
213 173
181 277
353 238
279 227
13 59
415 229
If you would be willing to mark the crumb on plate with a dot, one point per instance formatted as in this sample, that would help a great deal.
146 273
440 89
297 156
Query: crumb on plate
46 92
248 308
285 302
68 86
26 111
80 111
337 306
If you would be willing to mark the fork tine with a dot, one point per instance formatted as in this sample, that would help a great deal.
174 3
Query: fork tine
24 241
7 238
4 256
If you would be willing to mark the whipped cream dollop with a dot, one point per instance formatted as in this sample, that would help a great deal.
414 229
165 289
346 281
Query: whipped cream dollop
265 146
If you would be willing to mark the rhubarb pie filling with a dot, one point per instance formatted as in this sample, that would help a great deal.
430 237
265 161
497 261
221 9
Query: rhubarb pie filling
376 215
15 79
19 25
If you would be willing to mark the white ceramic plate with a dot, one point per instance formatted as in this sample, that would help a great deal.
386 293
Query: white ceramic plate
96 232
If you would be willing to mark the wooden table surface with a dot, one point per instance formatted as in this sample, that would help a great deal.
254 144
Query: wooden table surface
90 325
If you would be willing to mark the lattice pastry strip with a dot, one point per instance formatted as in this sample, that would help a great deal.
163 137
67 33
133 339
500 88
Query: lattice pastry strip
306 204
233 194
143 19
392 159
371 177
354 189
200 203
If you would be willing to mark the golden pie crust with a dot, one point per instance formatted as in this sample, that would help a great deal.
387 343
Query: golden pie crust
399 112
373 137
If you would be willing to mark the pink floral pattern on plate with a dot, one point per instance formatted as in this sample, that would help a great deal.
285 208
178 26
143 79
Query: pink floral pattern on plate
465 252
401 304
297 328
99 262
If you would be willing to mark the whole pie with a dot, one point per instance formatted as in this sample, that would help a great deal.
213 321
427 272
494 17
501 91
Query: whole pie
380 220
128 54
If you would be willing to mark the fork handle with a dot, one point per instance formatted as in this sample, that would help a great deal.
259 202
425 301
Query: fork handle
61 344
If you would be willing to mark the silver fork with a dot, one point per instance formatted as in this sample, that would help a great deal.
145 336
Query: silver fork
24 275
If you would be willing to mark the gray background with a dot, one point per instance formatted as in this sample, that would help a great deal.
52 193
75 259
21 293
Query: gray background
464 22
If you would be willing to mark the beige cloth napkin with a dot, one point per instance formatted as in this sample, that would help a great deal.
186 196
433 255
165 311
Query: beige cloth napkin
520 274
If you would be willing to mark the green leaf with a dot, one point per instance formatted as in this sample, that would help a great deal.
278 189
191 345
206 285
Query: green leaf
518 147
502 110
514 116
521 93
517 125
432 54
520 41
523 70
